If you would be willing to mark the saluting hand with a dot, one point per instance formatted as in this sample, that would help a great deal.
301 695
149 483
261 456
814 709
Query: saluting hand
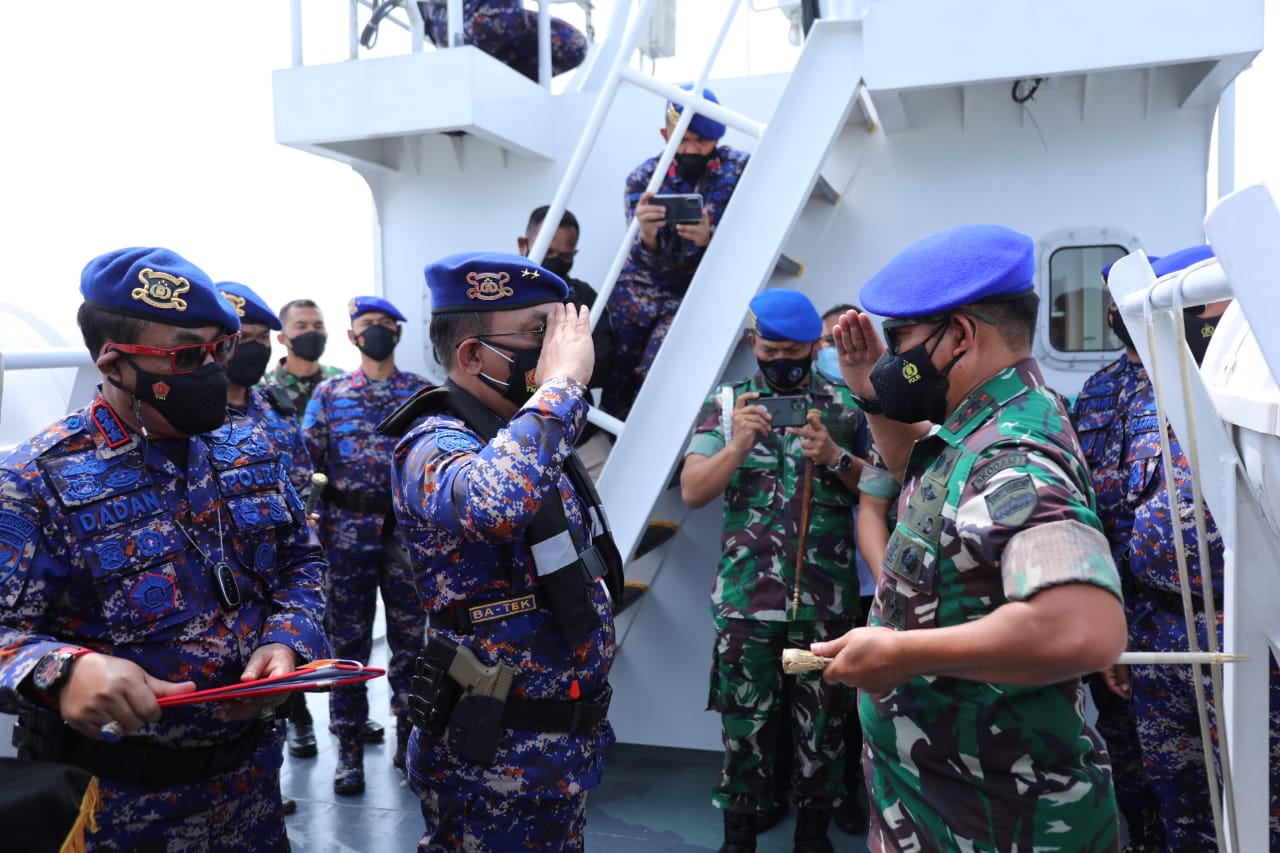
104 689
815 442
567 349
859 348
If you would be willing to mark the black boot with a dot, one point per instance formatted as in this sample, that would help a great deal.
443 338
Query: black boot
404 727
348 776
739 832
811 831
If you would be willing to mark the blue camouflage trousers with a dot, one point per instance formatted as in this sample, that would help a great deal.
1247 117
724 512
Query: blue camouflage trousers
1169 730
1118 726
227 813
507 32
494 824
641 316
746 688
360 568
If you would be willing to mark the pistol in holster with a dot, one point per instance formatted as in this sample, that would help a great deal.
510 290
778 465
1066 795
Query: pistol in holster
456 695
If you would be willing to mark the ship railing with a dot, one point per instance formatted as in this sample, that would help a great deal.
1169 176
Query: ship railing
383 12
1232 480
51 358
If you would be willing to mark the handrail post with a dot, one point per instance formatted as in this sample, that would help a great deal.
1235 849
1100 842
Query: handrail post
544 45
295 32
353 29
417 26
453 34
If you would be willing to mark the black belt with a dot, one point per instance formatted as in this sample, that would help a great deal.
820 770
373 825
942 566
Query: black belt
134 761
462 618
365 503
551 715
1167 599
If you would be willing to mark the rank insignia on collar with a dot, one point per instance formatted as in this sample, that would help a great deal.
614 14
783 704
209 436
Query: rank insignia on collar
109 425
237 302
488 286
161 290
160 390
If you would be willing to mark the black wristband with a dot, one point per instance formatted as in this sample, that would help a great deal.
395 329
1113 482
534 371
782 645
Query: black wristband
868 406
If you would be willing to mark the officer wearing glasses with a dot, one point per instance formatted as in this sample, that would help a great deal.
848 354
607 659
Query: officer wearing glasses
151 546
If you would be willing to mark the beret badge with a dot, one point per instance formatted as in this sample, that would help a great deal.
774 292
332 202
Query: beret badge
237 302
488 286
161 290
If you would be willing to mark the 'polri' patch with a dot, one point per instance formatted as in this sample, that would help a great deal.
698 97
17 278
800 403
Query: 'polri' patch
1012 503
452 440
18 532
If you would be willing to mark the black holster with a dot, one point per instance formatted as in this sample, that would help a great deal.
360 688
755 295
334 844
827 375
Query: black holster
475 727
433 694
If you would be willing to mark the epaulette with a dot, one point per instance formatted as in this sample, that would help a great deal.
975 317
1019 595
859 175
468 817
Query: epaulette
429 401
280 400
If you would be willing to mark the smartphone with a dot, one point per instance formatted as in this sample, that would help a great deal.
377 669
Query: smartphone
784 411
681 207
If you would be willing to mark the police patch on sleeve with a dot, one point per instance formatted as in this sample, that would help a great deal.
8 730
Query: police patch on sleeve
1012 503
19 530
452 441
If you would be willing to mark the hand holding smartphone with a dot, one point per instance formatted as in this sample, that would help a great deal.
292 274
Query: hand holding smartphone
680 207
784 410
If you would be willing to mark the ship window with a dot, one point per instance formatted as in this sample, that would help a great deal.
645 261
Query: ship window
1078 300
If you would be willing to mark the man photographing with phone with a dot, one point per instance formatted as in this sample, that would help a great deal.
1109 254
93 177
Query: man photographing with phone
786 570
667 249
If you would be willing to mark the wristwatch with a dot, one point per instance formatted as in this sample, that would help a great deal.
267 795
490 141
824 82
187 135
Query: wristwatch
843 464
868 406
53 670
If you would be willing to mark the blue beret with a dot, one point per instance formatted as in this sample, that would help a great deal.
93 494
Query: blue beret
707 128
158 285
248 305
1106 271
1181 259
365 304
959 266
785 315
490 281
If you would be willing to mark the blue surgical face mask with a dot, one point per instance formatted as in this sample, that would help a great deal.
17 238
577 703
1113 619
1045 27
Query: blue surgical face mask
828 365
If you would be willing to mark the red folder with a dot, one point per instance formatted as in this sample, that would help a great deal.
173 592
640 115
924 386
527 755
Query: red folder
319 675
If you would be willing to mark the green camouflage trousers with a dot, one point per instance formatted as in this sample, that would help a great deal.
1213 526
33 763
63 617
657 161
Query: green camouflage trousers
746 688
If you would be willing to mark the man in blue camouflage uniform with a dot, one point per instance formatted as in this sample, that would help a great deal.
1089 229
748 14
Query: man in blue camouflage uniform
1164 696
665 255
785 490
273 409
1103 411
513 562
357 527
150 546
507 32
997 590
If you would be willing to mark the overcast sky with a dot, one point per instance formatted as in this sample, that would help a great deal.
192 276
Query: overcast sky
148 122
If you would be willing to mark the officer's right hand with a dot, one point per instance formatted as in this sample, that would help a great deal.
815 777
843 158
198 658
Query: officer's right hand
651 217
567 349
103 689
748 420
1119 680
859 348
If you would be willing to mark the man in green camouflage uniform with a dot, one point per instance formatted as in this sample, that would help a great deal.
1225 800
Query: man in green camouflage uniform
304 337
998 589
761 470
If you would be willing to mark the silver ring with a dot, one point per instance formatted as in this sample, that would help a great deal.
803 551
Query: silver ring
111 732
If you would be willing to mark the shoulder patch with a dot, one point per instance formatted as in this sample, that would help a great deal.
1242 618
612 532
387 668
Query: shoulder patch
1013 502
18 533
995 466
452 441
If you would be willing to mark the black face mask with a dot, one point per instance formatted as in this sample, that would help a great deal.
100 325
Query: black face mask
309 346
909 387
522 379
785 374
557 265
691 166
1199 331
249 363
192 403
1116 322
378 342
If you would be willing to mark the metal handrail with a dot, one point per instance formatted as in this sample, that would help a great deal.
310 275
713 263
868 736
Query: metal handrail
691 99
46 359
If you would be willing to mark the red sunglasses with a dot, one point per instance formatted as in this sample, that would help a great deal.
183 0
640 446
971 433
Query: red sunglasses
184 359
